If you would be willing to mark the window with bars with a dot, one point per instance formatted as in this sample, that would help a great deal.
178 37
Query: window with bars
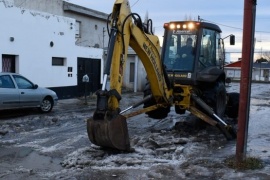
8 63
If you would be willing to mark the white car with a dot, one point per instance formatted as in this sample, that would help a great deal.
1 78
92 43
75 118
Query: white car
17 91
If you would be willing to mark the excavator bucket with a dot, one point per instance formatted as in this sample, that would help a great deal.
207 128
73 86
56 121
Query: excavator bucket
109 132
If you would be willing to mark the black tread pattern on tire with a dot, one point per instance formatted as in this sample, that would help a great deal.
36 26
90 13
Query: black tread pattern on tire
220 99
232 105
159 113
215 97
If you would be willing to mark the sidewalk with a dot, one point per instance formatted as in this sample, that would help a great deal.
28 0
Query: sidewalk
77 103
128 99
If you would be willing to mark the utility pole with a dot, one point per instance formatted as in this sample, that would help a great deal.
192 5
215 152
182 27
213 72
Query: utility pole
246 76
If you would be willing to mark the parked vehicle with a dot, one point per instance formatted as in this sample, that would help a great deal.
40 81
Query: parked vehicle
17 91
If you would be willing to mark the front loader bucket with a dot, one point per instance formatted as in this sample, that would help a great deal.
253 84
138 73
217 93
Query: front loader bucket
112 133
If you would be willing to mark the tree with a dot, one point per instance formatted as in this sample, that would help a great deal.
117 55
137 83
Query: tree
188 18
261 60
266 55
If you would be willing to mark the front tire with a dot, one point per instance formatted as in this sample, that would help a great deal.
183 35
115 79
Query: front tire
46 105
159 113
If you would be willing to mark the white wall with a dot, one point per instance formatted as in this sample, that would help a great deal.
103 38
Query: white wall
233 73
91 26
140 73
33 31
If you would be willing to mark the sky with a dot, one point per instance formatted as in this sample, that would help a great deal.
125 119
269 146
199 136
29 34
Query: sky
228 14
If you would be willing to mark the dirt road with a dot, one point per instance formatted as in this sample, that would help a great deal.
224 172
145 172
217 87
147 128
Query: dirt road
56 146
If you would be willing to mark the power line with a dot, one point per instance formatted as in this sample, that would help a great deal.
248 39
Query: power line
135 3
234 27
22 3
262 31
257 51
222 24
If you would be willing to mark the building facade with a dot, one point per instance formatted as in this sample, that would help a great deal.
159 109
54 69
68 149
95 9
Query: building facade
43 47
260 71
88 36
91 31
91 25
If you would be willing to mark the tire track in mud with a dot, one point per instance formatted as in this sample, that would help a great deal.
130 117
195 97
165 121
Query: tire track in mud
173 148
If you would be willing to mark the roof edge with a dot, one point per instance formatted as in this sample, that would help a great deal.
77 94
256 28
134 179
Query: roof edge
85 11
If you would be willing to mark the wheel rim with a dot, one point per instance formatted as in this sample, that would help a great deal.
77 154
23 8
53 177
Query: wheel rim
46 105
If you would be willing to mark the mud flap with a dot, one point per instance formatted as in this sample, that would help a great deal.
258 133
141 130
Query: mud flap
109 132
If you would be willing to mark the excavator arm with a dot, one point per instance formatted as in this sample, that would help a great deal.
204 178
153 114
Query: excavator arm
107 127
130 31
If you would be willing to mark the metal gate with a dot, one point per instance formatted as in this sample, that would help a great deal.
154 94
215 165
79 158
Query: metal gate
91 67
8 63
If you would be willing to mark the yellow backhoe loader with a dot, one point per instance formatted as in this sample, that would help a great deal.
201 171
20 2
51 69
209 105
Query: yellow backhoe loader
188 78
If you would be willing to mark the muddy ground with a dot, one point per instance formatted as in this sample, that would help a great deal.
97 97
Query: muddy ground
56 145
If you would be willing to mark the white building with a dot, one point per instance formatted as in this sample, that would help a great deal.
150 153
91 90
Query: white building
43 48
260 71
65 39
91 25
135 74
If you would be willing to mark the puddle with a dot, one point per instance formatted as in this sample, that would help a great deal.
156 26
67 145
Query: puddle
27 158
37 161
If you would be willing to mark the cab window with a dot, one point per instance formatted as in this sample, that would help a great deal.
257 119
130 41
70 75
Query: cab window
180 50
208 53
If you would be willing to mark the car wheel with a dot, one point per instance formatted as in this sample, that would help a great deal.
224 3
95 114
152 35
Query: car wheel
46 105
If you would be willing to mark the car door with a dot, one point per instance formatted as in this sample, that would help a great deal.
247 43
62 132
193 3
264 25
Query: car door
9 94
28 92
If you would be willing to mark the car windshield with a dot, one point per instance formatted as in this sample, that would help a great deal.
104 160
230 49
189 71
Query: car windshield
180 49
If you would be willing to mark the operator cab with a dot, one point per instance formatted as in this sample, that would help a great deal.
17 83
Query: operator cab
192 52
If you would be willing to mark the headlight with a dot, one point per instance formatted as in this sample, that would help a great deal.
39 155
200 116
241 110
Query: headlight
172 26
190 26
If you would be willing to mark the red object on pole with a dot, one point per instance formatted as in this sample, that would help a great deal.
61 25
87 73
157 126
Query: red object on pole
246 77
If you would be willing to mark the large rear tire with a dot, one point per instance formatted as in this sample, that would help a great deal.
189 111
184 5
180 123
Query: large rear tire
232 105
215 97
220 105
159 113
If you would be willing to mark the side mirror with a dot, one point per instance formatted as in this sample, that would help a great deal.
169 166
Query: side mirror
35 86
232 40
